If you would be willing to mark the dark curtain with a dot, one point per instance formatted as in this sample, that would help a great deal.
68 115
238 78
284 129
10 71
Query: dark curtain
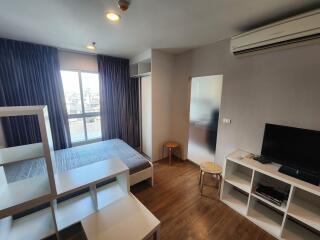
119 100
30 75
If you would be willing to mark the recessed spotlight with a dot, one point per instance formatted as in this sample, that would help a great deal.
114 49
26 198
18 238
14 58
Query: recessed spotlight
113 16
91 46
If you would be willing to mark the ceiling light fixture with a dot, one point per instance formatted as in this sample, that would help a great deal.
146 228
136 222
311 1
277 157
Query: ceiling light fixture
113 16
91 46
123 4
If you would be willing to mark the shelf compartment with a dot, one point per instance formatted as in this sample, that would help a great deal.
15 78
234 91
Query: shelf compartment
239 176
260 178
133 70
37 225
79 178
22 192
281 208
144 68
74 209
305 207
265 217
235 198
295 230
141 68
21 153
109 193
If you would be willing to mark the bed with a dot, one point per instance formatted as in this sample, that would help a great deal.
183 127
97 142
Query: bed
140 167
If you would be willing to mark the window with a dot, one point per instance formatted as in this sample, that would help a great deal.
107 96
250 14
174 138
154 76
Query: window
81 90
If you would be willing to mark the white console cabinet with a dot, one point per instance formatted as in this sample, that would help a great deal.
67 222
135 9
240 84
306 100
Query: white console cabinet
296 219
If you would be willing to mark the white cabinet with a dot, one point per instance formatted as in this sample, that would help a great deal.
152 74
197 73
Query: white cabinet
296 219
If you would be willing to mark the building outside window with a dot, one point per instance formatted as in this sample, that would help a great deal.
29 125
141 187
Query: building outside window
81 90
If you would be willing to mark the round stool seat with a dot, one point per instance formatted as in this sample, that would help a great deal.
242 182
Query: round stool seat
210 167
171 145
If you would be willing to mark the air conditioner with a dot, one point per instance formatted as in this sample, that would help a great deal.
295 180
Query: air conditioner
292 30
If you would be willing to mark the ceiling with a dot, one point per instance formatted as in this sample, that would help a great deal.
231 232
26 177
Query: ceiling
172 25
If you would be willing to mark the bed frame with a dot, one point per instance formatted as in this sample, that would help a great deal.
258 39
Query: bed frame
35 150
31 151
142 175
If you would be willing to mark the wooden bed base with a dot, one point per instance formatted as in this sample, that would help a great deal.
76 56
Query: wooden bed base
142 175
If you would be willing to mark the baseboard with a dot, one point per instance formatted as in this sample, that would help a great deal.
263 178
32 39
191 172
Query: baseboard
196 164
166 158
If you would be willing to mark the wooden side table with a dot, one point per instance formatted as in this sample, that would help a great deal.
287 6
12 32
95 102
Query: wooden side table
212 169
171 146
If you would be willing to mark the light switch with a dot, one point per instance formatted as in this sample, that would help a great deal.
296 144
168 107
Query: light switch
226 120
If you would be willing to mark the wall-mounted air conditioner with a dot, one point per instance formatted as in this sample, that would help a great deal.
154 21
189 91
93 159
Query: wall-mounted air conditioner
292 30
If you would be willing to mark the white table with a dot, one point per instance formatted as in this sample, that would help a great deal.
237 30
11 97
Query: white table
127 218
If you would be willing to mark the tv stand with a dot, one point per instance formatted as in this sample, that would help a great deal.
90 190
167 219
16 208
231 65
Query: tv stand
296 218
300 174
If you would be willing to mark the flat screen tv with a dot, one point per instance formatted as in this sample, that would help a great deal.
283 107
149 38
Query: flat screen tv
295 149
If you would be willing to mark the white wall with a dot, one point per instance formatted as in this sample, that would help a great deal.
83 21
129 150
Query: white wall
279 87
162 76
78 61
146 115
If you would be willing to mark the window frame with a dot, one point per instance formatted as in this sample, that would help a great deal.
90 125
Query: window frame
83 115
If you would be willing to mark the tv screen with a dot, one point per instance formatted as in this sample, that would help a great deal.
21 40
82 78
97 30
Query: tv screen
294 147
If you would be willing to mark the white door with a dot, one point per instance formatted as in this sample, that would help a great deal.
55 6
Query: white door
146 116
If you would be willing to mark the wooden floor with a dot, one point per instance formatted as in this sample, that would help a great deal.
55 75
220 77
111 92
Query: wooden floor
175 200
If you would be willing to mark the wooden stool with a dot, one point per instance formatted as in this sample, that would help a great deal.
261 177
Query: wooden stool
171 146
210 168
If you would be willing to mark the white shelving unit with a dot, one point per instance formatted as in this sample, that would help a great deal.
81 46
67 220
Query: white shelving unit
21 195
83 198
297 219
26 194
140 69
47 204
77 208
